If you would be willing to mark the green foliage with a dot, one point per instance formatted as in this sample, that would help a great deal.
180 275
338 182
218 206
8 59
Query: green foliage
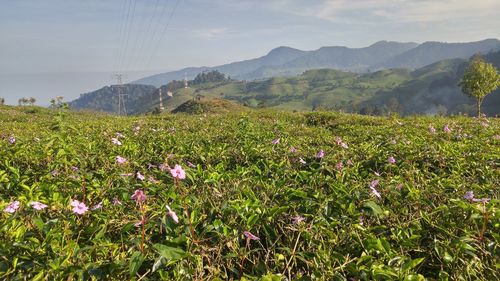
316 220
480 78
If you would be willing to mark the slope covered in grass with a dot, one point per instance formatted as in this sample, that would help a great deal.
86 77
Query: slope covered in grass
315 196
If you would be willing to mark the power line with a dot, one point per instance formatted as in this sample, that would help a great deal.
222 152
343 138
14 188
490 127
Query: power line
120 35
124 55
142 49
163 32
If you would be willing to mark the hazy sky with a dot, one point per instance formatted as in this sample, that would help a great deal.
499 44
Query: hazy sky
59 41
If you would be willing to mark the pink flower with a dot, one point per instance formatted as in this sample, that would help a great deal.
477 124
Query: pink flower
139 196
339 166
432 130
98 206
37 205
163 167
391 160
178 173
12 140
338 140
153 180
191 164
250 236
172 214
140 176
12 207
116 201
293 149
374 184
276 141
320 154
115 141
298 219
120 160
79 207
138 224
446 129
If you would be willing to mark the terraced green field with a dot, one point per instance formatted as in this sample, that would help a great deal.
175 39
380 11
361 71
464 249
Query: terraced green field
266 196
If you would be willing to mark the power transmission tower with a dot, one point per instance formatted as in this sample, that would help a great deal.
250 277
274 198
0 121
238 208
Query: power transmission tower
121 96
161 102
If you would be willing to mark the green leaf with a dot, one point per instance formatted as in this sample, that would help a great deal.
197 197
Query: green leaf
373 208
170 253
135 262
412 264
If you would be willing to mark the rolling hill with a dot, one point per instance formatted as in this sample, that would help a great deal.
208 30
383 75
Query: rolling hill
428 90
286 61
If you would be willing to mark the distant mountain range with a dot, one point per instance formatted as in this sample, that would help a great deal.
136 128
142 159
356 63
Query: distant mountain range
432 89
286 61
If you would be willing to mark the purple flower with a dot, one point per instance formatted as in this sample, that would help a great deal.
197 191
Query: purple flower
293 149
191 164
432 130
12 140
116 141
55 173
172 214
139 196
74 168
250 236
469 195
276 141
446 129
140 176
178 173
391 160
12 207
98 206
79 207
298 219
120 160
37 205
320 154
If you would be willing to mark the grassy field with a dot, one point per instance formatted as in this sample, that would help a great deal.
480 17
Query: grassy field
266 195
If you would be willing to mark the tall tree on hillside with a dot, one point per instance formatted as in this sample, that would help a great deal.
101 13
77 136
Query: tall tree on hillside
480 78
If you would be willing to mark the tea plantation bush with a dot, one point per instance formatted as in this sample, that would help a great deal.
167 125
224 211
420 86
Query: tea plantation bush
255 196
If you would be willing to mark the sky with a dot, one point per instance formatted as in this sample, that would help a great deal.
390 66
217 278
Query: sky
68 47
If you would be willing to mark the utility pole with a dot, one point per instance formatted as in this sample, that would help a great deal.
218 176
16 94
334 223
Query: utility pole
121 95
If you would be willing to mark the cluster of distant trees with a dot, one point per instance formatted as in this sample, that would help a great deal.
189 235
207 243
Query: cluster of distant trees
27 101
209 76
2 101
